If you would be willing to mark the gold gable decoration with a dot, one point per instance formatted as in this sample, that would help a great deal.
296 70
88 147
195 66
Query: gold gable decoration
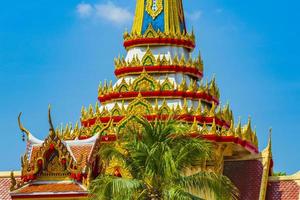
149 60
150 33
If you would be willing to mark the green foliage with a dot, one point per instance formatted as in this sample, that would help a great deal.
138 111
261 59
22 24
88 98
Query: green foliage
157 158
279 174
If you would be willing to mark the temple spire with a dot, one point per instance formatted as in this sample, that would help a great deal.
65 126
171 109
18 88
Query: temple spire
164 15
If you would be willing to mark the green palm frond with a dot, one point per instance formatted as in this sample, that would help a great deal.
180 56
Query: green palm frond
108 187
220 185
175 192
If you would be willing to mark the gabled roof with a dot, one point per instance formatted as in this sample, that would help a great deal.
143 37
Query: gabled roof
5 184
246 175
284 187
50 189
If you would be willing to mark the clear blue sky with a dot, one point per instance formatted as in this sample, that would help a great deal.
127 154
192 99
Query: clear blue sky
58 51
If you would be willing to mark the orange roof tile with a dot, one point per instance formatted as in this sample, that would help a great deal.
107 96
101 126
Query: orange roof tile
50 187
81 150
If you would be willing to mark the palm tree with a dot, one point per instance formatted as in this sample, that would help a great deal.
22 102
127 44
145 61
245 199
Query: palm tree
157 158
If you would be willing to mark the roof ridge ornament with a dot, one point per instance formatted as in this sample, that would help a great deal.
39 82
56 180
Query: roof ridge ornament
22 128
52 130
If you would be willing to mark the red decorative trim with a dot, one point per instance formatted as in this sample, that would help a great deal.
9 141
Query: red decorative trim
244 143
159 41
161 94
158 69
213 138
188 118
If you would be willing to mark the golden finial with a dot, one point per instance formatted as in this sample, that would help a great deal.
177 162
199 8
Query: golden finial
13 181
185 110
182 61
199 108
213 129
91 111
231 131
191 86
204 129
100 89
255 139
219 112
270 139
110 88
24 130
158 60
96 106
175 60
192 110
178 109
195 127
183 85
82 112
189 62
76 128
238 130
247 131
52 130
212 112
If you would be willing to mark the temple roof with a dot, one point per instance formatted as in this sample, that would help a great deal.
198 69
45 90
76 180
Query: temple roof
50 189
284 187
5 184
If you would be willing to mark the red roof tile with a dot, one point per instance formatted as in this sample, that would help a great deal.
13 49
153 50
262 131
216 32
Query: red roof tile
46 188
81 150
5 189
283 190
247 176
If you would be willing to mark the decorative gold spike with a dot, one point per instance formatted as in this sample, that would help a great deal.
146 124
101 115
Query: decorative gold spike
183 85
165 61
199 108
213 129
13 181
224 131
204 130
100 90
191 86
238 130
231 131
195 127
255 139
110 88
178 109
219 113
192 110
91 111
182 61
212 112
247 131
185 109
175 60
